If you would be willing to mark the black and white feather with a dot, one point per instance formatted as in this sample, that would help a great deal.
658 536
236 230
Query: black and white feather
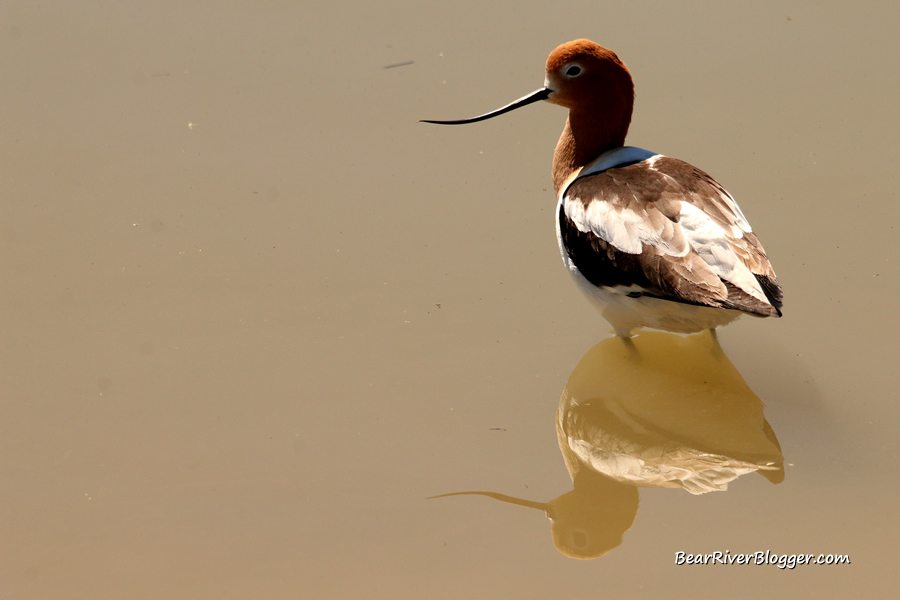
658 243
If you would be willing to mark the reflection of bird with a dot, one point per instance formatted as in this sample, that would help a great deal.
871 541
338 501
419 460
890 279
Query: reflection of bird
678 416
651 240
674 414
586 522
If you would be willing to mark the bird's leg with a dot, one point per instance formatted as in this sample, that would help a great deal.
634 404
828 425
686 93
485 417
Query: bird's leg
630 347
717 347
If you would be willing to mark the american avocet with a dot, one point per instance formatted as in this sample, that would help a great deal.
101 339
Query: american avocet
651 240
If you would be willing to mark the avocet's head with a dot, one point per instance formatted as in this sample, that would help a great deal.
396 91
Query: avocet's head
581 76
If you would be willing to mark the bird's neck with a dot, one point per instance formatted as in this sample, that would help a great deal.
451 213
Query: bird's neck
587 135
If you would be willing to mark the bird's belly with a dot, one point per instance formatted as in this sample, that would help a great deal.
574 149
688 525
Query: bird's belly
625 313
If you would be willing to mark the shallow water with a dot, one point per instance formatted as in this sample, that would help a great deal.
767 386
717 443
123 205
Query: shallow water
254 314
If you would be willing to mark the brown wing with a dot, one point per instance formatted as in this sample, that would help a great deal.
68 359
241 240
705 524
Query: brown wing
666 229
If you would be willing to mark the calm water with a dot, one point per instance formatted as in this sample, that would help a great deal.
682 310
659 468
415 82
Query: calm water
254 314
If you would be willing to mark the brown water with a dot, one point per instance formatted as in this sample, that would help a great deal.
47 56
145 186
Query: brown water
253 313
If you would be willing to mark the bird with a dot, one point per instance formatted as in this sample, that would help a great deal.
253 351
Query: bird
652 241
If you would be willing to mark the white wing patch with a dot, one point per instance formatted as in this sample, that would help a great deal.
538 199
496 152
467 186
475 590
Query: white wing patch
625 229
711 243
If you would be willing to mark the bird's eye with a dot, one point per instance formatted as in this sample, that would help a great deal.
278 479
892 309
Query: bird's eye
573 71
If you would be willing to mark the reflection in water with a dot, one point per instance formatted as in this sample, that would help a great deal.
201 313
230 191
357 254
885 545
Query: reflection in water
664 411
